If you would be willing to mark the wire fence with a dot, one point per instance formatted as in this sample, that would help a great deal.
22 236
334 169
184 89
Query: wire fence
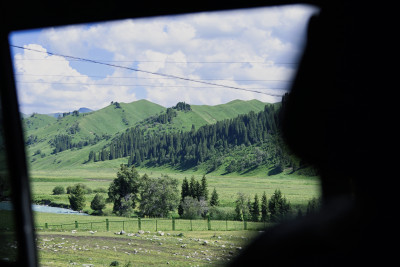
159 224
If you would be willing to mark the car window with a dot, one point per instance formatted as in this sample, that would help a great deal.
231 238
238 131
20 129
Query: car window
8 244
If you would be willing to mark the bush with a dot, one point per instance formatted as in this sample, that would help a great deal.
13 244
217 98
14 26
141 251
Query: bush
193 208
222 213
72 189
58 190
100 190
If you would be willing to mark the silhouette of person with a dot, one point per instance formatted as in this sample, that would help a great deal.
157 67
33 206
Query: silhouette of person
332 120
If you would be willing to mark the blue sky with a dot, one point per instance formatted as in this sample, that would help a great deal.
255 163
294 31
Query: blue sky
254 49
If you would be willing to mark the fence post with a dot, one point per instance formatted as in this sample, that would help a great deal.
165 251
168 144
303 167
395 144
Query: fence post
209 222
244 223
107 225
139 223
76 224
156 226
226 224
46 226
123 225
191 225
173 224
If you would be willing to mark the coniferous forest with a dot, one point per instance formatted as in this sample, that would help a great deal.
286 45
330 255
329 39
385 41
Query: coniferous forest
253 138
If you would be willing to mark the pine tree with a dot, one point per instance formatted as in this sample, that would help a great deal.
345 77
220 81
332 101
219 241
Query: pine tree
255 209
77 198
98 203
214 201
184 193
278 206
203 188
91 156
194 188
264 208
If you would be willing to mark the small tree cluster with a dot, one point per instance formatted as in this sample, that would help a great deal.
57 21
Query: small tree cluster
278 206
274 210
156 197
182 106
194 196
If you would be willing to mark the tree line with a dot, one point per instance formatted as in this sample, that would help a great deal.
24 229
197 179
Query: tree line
131 194
63 142
193 147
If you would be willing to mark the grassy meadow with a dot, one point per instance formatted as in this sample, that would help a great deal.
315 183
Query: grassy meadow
296 188
189 242
147 249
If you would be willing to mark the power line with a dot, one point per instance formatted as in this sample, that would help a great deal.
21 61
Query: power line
148 72
167 62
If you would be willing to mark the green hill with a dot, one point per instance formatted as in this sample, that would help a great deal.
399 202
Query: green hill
94 130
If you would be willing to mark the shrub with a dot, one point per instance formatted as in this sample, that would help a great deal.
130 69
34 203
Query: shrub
58 190
100 190
193 208
222 213
72 189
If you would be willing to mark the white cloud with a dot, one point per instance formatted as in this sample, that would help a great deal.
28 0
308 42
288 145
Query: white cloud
47 83
246 48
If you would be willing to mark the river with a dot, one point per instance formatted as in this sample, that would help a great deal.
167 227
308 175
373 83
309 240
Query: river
6 205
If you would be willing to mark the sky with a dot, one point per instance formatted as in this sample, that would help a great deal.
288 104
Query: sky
203 59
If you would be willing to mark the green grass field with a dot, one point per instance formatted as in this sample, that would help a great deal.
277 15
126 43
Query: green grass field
147 249
297 189
185 246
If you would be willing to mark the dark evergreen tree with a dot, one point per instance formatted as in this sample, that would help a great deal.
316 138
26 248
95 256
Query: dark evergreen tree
204 188
255 209
193 187
184 193
77 198
91 156
278 206
98 203
214 201
264 208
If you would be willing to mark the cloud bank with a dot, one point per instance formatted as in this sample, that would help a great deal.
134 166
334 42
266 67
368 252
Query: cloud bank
252 49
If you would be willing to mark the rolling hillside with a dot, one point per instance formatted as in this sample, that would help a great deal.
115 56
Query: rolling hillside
95 130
